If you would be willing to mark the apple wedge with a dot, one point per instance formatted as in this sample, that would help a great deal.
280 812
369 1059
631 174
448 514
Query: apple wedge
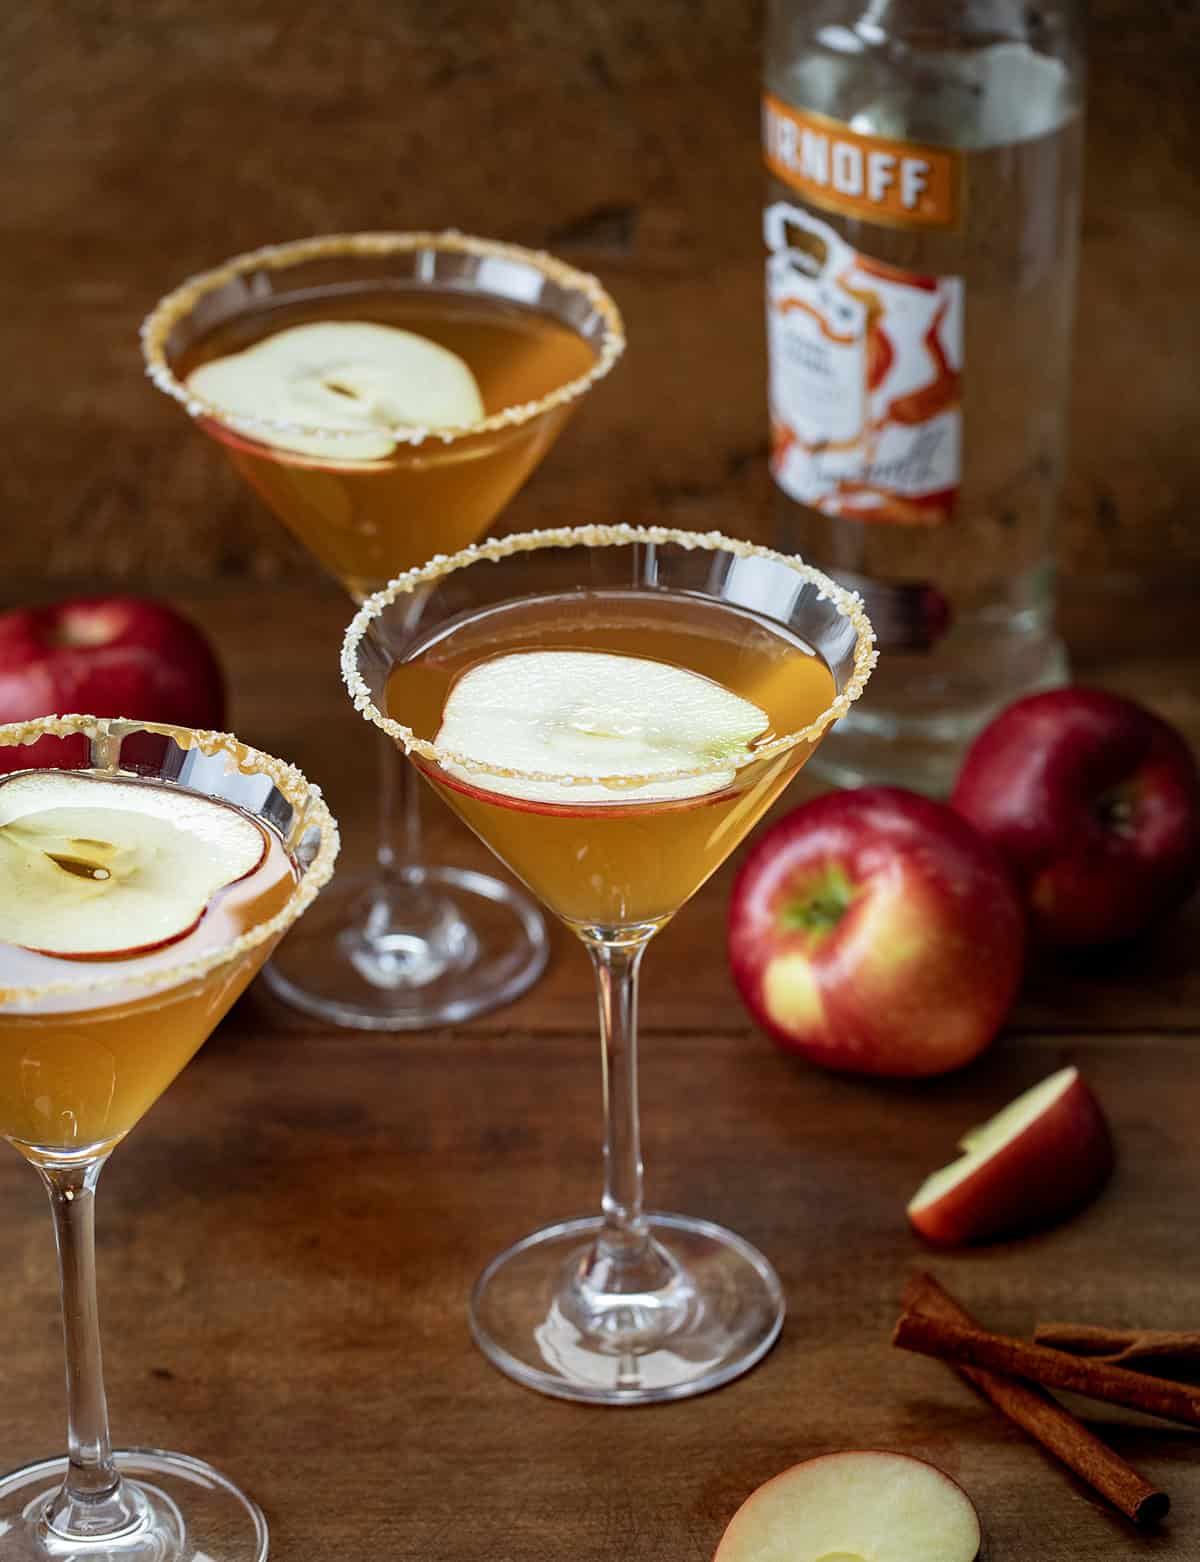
857 1506
1039 1160
93 868
359 379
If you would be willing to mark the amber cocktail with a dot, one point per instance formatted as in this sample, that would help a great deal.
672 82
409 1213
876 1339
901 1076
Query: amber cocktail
640 858
386 395
146 872
611 709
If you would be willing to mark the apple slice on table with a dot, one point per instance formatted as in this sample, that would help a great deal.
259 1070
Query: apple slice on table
357 378
867 1506
92 869
1039 1160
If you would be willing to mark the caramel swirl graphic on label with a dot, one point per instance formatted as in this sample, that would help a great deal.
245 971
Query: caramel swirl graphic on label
865 377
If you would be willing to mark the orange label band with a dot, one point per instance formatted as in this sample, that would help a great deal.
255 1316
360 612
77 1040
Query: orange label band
896 183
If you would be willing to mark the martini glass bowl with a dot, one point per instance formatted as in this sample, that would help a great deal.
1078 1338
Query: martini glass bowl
408 944
625 1306
82 1056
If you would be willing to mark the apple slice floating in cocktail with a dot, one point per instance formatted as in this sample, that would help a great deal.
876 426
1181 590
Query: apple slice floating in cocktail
354 378
92 870
857 1506
592 714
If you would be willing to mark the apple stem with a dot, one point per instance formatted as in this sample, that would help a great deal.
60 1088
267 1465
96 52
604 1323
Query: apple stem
822 907
1116 811
92 1501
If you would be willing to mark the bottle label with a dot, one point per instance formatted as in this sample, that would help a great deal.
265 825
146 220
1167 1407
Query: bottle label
898 183
865 378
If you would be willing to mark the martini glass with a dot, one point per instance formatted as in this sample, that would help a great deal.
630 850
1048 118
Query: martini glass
408 944
86 1047
625 1306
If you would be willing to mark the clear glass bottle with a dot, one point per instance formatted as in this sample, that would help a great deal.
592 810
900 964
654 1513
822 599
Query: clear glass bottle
924 162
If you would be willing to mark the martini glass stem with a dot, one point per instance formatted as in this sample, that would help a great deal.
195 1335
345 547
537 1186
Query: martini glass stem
624 1259
92 1501
413 933
399 843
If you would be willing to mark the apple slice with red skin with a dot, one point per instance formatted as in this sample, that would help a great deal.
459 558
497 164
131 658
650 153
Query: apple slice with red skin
874 931
103 656
355 381
1045 1156
857 1506
590 715
95 869
1094 802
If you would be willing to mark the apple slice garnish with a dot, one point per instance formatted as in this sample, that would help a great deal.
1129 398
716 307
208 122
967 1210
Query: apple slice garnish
366 380
1036 1162
592 714
857 1506
93 868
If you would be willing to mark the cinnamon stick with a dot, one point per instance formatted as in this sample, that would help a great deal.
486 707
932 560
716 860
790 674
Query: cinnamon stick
1118 1346
974 1347
1044 1419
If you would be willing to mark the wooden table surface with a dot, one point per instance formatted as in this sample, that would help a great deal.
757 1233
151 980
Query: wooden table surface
288 1239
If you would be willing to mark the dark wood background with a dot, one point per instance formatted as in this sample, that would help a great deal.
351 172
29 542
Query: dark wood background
288 1240
145 139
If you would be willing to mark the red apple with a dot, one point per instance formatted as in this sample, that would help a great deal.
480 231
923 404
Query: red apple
850 1506
104 656
1094 802
1046 1155
875 931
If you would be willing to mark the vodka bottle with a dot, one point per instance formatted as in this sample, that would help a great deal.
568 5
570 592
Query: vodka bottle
923 160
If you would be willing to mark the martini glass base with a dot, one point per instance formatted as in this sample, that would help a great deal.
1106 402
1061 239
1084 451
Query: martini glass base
718 1312
185 1512
426 947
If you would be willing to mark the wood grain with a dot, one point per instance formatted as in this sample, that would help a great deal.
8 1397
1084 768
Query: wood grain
288 1239
145 141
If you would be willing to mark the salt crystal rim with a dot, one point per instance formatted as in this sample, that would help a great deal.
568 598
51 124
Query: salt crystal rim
175 305
311 813
848 603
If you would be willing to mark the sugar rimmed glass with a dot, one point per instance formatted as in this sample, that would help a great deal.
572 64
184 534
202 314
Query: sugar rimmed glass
139 1505
627 1306
408 944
